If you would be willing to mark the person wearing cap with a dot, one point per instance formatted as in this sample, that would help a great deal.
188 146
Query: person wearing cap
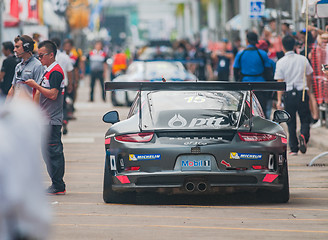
290 69
250 66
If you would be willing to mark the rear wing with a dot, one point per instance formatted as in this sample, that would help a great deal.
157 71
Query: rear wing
196 86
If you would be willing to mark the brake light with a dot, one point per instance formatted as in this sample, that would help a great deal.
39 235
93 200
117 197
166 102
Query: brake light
107 141
259 167
284 140
132 169
255 137
136 137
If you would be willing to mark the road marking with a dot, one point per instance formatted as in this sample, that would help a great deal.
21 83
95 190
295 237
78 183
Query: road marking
189 217
189 227
78 140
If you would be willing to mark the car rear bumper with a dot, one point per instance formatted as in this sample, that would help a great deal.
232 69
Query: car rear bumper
190 182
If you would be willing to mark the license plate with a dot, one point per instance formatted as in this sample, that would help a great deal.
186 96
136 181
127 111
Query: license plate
195 163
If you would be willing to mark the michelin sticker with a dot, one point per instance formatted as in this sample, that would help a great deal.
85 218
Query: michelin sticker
143 157
177 121
251 156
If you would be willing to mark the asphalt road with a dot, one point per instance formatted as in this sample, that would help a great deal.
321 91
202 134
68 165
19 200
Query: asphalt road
82 214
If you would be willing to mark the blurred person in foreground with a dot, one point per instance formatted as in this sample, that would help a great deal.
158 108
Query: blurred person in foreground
98 67
8 67
24 211
50 93
67 66
28 68
290 69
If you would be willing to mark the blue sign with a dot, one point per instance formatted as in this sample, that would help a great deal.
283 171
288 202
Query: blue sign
256 9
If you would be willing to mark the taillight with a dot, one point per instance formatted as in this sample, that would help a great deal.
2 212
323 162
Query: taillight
259 167
135 137
107 141
284 140
255 137
132 169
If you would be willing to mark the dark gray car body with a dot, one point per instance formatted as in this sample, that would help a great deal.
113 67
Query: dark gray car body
193 149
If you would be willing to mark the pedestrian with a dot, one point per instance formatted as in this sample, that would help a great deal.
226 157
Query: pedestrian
291 69
98 68
253 65
51 96
64 61
8 67
223 58
264 45
28 68
76 56
24 209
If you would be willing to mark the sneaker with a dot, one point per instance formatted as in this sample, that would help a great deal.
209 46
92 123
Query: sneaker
302 143
292 153
316 124
53 191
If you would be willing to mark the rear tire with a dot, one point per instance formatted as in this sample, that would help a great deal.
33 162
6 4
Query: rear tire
109 195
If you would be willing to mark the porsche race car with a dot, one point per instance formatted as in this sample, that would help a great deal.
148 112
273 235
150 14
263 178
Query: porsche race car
195 138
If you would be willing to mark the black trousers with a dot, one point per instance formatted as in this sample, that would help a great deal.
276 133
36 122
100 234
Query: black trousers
294 104
54 157
94 77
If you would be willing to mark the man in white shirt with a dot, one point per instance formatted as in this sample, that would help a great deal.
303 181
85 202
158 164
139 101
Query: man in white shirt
291 69
65 62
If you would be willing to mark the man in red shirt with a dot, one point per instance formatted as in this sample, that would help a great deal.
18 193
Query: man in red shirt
51 96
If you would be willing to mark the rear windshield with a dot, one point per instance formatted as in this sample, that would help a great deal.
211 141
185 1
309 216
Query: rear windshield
219 100
194 110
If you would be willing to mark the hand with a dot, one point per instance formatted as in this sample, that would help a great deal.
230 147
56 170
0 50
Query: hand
31 83
326 72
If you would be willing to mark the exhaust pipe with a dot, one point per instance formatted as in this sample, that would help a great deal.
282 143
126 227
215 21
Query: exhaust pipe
202 187
190 186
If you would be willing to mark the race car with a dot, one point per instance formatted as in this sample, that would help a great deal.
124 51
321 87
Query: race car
149 71
195 138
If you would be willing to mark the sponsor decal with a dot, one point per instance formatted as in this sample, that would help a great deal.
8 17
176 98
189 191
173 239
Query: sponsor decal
195 138
195 163
195 143
142 157
225 163
252 156
177 121
112 162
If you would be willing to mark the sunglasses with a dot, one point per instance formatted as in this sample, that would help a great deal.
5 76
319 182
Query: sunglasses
42 55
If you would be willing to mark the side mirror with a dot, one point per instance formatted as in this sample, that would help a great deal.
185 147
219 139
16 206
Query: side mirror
280 116
111 117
